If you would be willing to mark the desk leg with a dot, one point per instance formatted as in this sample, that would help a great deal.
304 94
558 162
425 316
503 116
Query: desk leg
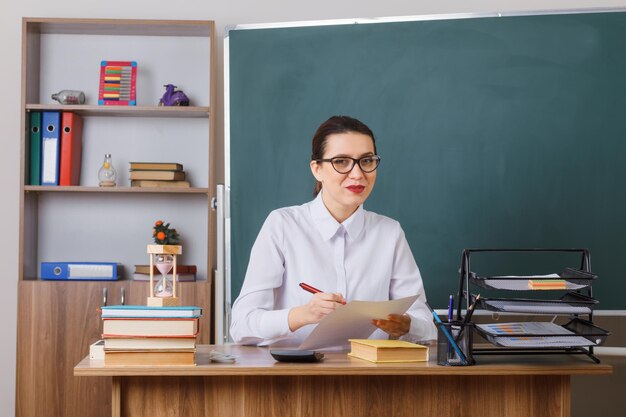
116 396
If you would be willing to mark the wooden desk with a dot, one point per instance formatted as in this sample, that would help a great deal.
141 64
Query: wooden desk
256 385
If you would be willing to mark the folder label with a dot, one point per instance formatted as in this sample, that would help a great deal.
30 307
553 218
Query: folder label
50 153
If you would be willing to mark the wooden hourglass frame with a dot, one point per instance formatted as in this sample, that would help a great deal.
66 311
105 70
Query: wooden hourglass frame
174 251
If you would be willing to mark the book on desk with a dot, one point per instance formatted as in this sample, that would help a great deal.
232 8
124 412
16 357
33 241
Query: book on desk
380 351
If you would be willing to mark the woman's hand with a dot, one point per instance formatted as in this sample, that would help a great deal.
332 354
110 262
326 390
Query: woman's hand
396 325
321 304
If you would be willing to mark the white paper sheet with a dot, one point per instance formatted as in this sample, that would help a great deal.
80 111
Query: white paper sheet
353 321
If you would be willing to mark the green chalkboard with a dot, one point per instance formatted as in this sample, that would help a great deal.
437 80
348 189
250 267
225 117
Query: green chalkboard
493 132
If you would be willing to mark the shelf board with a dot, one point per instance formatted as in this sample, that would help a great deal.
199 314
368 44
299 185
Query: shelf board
125 111
128 27
199 280
131 190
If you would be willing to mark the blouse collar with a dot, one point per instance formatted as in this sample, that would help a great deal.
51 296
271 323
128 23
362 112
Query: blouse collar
328 226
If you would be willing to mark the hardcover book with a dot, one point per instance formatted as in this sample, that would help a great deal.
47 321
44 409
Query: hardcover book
160 183
149 343
156 166
147 327
181 269
153 358
179 277
134 311
158 175
375 350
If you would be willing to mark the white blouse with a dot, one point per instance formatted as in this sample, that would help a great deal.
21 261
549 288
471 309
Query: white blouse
366 257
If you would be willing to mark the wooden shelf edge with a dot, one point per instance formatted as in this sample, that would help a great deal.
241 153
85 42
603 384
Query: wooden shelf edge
125 111
128 27
131 190
106 281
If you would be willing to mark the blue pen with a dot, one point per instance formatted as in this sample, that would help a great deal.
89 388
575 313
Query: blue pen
448 336
450 310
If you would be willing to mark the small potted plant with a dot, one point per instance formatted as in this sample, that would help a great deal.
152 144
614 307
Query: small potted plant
163 235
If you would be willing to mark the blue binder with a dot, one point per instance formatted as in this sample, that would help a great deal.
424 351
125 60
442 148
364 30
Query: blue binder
50 147
80 271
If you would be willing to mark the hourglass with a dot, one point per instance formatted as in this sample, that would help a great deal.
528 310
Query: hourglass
164 258
164 264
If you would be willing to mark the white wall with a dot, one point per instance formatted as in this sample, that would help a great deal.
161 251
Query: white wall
228 12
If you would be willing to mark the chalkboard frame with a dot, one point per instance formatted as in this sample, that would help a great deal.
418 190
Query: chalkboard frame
287 26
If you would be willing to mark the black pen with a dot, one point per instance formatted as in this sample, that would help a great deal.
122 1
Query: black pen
468 316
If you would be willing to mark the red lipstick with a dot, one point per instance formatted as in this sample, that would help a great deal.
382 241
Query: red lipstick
358 189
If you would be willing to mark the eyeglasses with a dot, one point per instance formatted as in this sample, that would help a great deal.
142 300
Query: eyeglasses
345 164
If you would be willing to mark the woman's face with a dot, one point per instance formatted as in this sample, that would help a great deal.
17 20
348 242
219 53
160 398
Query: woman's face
344 193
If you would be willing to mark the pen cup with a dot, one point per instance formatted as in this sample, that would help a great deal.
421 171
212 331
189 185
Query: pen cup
451 338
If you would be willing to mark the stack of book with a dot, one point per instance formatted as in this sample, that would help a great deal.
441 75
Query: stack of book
141 335
157 174
184 273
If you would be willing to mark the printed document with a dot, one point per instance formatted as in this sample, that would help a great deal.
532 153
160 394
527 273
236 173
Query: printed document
353 321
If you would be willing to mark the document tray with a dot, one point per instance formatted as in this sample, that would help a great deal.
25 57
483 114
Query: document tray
570 303
583 333
574 280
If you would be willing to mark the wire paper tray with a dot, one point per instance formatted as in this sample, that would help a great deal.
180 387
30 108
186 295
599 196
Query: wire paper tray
570 303
574 280
543 335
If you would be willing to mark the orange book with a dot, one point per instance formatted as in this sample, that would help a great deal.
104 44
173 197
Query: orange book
71 148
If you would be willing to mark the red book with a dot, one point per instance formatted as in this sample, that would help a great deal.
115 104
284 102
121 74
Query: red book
71 148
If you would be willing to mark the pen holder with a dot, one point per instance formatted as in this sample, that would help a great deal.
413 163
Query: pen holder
454 338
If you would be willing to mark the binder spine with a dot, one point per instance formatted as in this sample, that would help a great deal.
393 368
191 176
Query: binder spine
51 145
90 271
34 157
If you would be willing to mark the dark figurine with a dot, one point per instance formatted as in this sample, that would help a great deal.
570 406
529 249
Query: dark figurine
173 97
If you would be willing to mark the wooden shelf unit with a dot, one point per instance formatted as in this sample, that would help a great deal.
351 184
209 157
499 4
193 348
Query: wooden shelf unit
58 320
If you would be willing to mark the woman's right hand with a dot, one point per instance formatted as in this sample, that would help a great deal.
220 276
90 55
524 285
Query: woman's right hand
320 305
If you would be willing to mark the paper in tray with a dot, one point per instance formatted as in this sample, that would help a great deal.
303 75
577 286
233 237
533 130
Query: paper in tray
570 303
542 342
574 280
547 335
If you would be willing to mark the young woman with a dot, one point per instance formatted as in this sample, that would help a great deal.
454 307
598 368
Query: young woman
333 244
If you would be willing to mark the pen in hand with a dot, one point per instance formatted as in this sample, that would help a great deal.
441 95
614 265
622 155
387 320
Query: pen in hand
313 290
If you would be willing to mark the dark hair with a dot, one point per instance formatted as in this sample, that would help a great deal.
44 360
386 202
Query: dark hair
336 124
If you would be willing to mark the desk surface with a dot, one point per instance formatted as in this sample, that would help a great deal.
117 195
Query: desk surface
256 361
